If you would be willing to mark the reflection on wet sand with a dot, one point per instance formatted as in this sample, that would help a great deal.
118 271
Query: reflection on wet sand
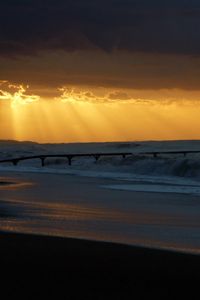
12 184
70 206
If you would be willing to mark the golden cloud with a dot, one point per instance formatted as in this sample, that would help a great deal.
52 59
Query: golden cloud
73 94
16 94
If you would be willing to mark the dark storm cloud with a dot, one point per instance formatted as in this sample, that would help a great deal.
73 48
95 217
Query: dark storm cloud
30 26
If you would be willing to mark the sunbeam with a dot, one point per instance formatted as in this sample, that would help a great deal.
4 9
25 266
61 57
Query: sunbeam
87 115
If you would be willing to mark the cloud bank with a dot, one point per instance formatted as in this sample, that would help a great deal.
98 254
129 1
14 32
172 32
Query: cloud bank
28 27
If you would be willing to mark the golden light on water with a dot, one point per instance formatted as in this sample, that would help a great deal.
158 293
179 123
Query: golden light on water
79 115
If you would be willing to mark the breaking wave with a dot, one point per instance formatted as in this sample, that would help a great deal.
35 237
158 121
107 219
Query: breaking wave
163 165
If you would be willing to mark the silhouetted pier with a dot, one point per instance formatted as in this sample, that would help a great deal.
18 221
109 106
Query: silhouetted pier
96 156
69 157
182 152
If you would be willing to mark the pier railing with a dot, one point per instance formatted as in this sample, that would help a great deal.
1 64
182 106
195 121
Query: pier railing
69 157
96 156
182 152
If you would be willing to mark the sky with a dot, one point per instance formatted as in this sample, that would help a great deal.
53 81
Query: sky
91 70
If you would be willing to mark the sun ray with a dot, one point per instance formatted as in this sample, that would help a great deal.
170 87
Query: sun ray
83 115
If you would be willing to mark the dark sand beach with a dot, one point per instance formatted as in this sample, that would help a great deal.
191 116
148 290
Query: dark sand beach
63 268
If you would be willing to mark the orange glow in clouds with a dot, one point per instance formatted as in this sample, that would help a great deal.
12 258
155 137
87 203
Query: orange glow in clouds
82 115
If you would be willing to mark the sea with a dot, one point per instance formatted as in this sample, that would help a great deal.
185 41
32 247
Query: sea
138 199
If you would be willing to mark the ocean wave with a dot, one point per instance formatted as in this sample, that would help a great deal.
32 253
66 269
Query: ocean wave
183 167
136 164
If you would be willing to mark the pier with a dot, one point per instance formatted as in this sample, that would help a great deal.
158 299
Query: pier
96 156
69 157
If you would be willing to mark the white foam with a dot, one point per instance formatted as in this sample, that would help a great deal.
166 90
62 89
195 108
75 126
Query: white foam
178 172
155 188
142 183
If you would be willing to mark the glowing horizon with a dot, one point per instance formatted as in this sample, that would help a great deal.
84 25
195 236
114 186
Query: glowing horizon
95 115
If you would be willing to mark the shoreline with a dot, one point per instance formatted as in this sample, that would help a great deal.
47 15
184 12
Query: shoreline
129 182
83 269
85 210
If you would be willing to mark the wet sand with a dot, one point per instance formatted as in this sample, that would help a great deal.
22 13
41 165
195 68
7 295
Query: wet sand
2 183
78 207
41 267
